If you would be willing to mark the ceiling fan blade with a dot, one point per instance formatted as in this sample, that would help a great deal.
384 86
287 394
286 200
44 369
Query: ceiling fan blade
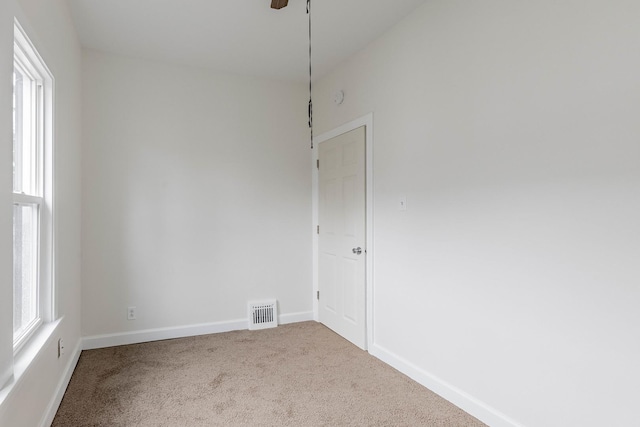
278 4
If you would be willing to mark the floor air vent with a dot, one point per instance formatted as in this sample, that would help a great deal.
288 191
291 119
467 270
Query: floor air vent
263 315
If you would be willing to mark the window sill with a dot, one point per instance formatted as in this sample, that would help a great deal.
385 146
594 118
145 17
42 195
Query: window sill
25 357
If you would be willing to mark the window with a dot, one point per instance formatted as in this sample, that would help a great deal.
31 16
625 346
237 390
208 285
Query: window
32 190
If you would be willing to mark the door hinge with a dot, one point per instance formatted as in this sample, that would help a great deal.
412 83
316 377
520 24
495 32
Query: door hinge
318 295
318 229
318 163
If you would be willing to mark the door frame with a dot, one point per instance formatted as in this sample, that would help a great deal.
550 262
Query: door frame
367 122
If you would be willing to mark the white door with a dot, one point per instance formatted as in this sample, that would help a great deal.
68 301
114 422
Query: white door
342 254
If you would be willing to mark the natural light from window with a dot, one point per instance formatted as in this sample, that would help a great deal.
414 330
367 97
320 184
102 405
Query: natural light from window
32 241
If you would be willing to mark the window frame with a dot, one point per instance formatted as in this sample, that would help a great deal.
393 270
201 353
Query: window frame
40 194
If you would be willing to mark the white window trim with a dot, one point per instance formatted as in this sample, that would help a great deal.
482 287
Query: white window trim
27 56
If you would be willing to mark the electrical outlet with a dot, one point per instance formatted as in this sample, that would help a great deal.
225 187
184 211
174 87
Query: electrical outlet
131 313
60 347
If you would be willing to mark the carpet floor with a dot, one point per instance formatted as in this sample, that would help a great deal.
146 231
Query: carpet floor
301 374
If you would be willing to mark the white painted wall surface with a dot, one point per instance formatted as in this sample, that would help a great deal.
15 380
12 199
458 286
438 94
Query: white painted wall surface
6 233
512 128
48 24
195 194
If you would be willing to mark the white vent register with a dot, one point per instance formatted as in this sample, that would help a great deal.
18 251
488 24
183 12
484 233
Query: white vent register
263 314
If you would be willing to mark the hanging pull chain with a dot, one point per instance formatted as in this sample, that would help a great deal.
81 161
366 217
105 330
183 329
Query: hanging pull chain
310 95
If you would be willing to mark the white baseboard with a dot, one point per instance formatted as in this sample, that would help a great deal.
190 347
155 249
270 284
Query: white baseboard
50 413
136 337
464 401
304 316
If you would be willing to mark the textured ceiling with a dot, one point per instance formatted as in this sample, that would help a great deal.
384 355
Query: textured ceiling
237 36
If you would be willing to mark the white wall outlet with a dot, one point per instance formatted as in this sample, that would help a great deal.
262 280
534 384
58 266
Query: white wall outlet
60 347
402 205
131 313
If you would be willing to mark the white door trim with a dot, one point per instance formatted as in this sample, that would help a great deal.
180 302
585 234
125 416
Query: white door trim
366 121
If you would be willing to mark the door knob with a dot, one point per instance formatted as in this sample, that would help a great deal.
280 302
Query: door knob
357 250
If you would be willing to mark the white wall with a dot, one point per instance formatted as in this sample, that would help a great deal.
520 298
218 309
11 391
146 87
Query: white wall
6 290
195 195
512 280
48 24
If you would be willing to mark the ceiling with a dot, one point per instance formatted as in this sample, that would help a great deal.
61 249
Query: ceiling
237 36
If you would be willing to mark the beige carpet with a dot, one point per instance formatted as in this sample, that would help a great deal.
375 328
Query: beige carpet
294 375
